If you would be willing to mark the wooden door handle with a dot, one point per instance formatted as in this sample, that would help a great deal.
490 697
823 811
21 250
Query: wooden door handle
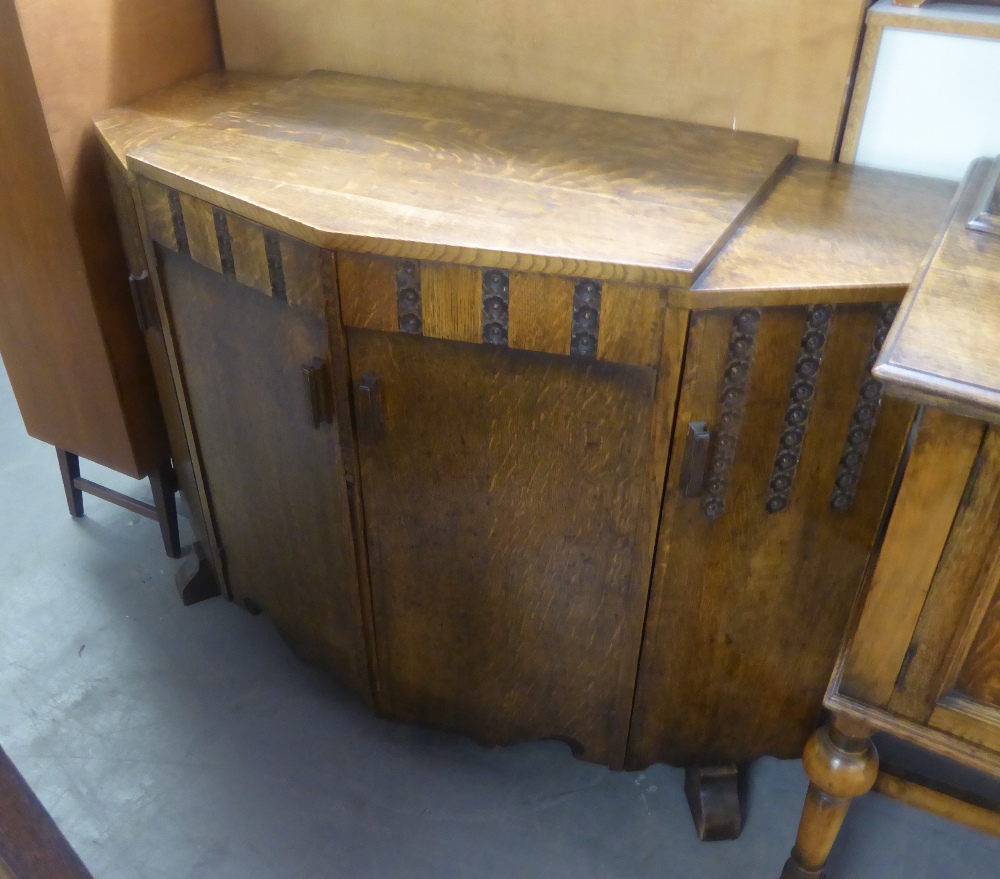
368 394
695 463
319 392
144 301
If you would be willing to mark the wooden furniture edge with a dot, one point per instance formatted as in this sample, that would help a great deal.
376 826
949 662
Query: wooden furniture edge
876 21
766 297
941 20
925 389
749 209
453 254
213 552
922 793
918 734
871 39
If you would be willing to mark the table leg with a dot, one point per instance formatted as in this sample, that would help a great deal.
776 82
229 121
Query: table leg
842 764
69 466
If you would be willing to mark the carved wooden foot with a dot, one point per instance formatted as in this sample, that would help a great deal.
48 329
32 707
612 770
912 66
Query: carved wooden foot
713 793
163 482
842 764
195 578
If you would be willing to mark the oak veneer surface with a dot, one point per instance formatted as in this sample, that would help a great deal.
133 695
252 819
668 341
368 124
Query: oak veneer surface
163 112
368 165
960 592
280 503
748 605
508 522
86 57
932 490
776 66
851 233
52 343
943 348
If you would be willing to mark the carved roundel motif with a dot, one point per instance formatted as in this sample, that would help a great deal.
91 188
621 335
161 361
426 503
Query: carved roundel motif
496 307
800 398
409 304
863 420
586 318
731 402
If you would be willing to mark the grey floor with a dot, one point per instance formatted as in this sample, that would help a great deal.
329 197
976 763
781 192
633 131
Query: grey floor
189 742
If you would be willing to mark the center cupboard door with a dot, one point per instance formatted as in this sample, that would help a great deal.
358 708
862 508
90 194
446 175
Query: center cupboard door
510 495
760 557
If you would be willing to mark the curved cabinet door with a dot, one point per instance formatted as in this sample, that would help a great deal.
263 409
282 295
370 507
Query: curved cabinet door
755 576
274 477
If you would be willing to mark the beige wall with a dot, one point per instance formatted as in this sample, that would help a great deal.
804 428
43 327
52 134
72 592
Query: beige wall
778 66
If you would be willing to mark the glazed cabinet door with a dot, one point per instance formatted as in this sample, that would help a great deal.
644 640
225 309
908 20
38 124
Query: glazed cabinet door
245 310
510 495
927 646
772 505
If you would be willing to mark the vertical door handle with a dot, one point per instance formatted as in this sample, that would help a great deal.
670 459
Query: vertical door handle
144 301
319 391
368 393
695 463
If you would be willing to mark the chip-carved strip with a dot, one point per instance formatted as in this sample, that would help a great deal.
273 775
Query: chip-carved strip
177 216
262 259
800 401
409 305
586 318
275 268
866 410
742 340
496 307
225 242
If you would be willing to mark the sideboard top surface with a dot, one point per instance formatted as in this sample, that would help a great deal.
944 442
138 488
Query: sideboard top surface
357 163
859 233
166 111
942 349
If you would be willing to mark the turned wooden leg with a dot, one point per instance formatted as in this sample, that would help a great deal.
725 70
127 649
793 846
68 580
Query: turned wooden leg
164 485
842 764
69 466
713 793
195 578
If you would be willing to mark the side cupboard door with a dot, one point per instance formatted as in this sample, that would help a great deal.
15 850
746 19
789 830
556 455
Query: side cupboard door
245 308
783 459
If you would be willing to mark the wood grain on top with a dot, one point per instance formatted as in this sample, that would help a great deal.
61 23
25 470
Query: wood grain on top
161 113
857 232
942 349
376 166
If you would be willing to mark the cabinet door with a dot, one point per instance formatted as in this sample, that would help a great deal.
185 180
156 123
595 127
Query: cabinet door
927 646
512 431
509 517
758 564
274 477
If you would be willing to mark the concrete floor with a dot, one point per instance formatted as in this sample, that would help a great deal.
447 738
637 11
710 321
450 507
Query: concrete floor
189 743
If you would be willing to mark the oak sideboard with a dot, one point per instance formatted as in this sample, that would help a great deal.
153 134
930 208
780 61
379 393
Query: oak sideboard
525 420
